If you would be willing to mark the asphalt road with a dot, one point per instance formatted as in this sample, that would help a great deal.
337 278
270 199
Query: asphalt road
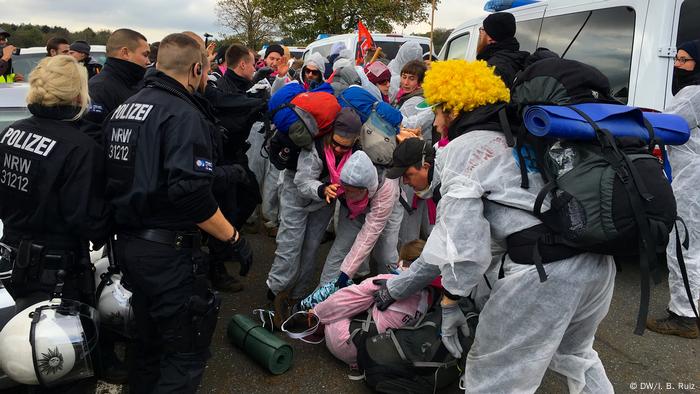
650 363
629 359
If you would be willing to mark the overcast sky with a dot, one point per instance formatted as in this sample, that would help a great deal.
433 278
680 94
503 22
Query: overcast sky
157 18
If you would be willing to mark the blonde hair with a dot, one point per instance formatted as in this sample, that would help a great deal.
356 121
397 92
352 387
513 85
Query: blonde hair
59 80
461 86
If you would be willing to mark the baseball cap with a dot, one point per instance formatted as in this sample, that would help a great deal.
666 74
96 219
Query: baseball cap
409 153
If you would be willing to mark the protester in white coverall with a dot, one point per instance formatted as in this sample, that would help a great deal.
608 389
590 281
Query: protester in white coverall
685 163
368 222
526 326
308 202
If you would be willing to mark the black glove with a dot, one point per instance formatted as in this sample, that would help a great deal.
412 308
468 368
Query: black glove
382 298
242 250
262 73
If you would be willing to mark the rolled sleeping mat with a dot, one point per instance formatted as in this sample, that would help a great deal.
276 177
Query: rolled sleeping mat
266 349
621 120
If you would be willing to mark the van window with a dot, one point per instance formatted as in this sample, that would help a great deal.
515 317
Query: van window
688 26
324 50
526 32
457 48
602 38
391 48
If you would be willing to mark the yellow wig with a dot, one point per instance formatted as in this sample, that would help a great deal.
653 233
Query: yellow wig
460 86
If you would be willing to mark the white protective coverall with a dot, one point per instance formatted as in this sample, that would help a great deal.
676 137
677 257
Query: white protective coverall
685 163
526 326
269 178
304 217
409 50
375 232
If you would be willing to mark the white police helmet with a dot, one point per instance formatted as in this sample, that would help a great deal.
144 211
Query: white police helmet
101 266
7 259
49 343
96 254
114 306
7 306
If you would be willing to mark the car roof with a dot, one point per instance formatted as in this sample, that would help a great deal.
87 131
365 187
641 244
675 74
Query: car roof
14 95
35 50
375 36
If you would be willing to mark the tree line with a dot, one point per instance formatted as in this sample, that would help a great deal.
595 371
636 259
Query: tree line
28 35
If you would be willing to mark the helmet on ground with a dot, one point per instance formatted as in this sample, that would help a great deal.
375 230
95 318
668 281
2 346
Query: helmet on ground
7 306
114 306
49 343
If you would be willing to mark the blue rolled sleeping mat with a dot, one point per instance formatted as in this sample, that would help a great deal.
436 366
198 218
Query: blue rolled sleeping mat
621 120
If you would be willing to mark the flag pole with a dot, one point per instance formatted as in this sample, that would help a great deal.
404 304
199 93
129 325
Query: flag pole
432 21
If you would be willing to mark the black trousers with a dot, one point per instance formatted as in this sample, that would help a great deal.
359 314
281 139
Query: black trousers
169 356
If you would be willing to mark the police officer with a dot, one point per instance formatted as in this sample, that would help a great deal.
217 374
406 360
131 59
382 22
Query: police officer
51 199
51 191
80 50
159 179
127 59
237 110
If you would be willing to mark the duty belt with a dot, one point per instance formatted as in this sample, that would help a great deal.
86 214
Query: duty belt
176 239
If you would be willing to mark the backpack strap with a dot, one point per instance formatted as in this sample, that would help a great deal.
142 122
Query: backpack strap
681 265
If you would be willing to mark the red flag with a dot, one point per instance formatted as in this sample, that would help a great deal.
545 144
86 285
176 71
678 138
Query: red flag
365 40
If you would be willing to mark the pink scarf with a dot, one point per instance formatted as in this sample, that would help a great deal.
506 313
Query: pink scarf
443 142
333 170
357 207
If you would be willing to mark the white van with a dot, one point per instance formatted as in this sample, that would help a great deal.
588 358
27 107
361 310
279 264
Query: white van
389 43
631 41
28 58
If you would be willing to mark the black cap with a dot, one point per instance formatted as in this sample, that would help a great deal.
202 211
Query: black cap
500 25
80 46
692 47
410 153
274 48
220 57
4 33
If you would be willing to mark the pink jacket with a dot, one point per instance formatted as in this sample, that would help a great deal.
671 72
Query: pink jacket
381 205
338 310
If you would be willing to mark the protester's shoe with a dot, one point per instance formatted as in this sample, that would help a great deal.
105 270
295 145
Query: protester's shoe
272 232
685 327
281 307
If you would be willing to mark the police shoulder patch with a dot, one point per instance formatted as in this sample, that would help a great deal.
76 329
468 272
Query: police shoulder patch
203 165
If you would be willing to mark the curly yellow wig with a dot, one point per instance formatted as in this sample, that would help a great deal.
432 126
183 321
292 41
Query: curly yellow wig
460 86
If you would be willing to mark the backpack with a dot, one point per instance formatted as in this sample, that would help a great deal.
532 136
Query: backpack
609 194
380 123
299 118
410 359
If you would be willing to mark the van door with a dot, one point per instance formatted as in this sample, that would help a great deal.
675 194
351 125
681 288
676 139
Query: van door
686 17
458 46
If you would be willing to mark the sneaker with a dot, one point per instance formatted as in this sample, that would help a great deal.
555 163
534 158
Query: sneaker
685 327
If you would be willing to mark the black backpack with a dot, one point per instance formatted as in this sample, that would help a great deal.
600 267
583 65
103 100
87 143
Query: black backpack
411 359
608 196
